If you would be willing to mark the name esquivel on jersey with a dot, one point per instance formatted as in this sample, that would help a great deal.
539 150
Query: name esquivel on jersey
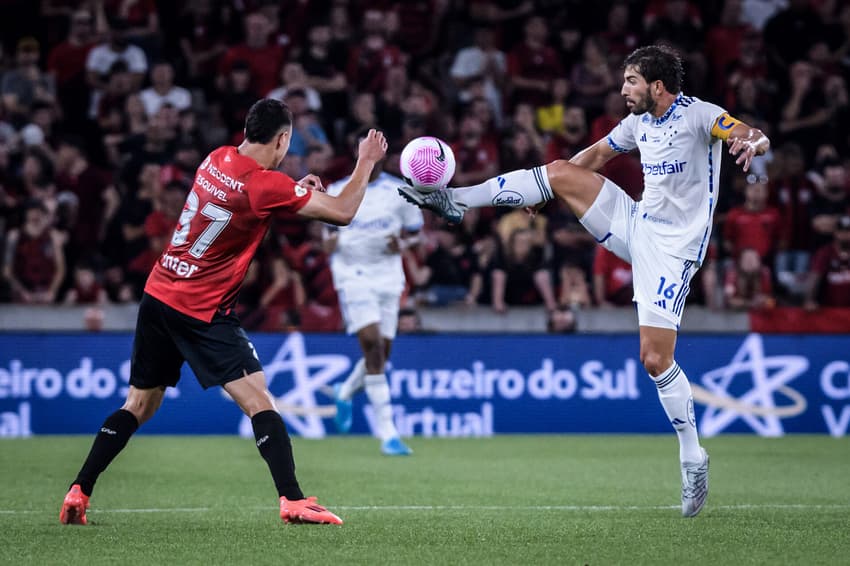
226 215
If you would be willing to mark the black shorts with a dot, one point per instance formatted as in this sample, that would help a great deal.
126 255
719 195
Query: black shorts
218 351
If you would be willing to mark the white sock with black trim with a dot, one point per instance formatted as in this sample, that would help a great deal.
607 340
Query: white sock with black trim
674 391
378 391
523 187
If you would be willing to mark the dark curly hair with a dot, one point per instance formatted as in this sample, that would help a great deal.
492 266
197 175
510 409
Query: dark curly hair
658 63
265 119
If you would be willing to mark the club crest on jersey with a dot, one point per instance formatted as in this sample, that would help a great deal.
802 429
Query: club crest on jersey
300 191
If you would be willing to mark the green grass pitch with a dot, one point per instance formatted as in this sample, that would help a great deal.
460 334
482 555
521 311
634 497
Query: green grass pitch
516 500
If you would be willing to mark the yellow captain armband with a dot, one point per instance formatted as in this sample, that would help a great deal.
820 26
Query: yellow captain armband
724 125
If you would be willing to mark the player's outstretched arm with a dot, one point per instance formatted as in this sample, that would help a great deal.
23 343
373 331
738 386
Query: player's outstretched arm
595 156
341 209
744 140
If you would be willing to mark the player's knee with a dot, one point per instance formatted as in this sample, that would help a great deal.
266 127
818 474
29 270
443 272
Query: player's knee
143 407
654 362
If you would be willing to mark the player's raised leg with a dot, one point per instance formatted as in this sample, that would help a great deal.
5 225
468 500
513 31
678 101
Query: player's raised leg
577 186
255 400
141 404
657 347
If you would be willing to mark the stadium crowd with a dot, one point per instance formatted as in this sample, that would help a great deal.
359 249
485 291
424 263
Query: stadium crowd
108 107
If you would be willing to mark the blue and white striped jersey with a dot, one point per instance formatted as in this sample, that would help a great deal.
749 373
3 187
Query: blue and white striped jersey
681 172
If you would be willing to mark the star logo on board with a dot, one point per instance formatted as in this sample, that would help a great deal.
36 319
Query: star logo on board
294 378
765 377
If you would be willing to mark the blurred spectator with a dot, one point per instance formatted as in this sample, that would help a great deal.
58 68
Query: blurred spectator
67 64
573 138
236 97
550 116
533 64
806 113
612 279
723 41
789 31
831 201
522 276
86 289
98 198
748 283
33 263
102 57
164 91
520 152
307 132
679 24
369 61
283 297
264 59
26 83
758 12
293 77
591 77
322 61
449 269
795 193
201 43
477 158
618 35
482 64
142 21
753 225
828 283
614 110
523 120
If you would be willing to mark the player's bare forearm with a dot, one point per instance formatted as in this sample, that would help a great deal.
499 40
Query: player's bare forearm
340 210
595 156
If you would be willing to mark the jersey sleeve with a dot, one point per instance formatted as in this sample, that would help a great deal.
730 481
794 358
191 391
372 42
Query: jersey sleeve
270 190
411 217
701 118
622 138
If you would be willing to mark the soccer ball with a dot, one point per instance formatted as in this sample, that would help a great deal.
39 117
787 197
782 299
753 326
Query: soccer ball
427 164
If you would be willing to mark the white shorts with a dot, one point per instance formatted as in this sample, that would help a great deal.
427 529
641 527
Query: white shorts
362 307
661 281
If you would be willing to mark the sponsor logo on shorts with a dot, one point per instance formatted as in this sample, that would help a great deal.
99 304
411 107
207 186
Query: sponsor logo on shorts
508 198
300 191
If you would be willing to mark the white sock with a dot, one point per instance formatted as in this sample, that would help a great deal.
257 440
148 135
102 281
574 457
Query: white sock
523 187
378 391
354 382
674 391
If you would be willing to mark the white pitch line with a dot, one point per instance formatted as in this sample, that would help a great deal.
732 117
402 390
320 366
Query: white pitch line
575 508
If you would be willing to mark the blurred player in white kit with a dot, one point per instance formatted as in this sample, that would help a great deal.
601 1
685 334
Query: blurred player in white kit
369 278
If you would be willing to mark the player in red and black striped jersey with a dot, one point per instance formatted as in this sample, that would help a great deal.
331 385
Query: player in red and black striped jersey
186 312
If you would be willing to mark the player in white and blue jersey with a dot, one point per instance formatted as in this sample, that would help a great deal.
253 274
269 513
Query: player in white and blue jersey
664 236
369 279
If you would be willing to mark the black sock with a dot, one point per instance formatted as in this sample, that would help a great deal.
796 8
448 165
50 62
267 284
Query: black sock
112 438
276 449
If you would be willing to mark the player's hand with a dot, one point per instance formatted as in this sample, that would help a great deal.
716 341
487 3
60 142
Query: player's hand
755 143
373 147
312 182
